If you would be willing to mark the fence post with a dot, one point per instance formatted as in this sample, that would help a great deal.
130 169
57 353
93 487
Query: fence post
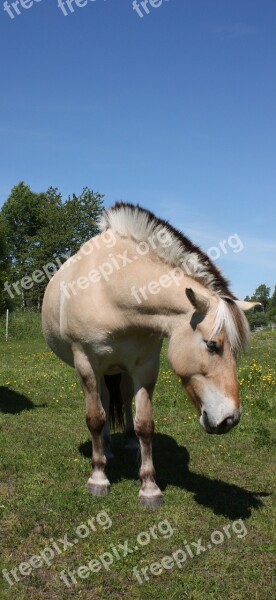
7 324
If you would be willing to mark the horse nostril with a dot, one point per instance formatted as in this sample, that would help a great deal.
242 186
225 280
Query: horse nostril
228 421
206 422
205 417
225 425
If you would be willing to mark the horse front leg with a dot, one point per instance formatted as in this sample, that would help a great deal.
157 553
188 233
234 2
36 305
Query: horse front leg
98 484
150 495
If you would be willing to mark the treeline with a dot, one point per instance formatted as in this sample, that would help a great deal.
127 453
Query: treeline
265 314
38 232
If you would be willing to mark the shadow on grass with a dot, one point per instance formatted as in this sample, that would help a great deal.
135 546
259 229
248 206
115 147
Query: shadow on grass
171 462
13 403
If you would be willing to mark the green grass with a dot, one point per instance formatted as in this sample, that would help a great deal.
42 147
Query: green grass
22 325
208 482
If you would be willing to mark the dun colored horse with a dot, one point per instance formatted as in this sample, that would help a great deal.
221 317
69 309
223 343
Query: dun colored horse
107 310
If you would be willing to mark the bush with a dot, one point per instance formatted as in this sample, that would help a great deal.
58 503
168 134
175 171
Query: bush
257 319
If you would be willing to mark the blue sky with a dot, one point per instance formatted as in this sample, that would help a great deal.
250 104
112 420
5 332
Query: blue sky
174 110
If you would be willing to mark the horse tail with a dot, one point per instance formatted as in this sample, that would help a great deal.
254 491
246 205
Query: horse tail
116 413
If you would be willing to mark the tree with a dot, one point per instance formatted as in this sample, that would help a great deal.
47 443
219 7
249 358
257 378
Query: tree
261 294
42 230
24 213
81 214
5 300
272 306
265 313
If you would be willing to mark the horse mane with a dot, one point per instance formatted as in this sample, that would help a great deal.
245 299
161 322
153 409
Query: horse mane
139 224
230 318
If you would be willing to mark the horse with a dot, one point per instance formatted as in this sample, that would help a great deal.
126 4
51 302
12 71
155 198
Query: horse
107 310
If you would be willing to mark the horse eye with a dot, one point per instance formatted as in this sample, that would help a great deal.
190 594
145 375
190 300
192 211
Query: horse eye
211 345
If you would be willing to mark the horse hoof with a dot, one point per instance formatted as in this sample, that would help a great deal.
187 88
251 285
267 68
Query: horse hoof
151 501
98 490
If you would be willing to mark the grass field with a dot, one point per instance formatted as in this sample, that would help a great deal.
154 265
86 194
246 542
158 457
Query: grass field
209 483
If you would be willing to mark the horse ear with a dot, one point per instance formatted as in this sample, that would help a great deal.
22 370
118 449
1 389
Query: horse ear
244 305
199 302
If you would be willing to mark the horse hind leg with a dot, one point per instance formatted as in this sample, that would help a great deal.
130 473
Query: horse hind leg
98 484
127 390
117 393
106 436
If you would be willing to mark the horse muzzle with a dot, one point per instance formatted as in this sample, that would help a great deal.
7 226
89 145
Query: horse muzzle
219 428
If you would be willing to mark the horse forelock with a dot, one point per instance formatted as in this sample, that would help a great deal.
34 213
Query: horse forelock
127 220
231 319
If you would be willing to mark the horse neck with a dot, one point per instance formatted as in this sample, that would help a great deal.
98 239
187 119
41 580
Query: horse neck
159 298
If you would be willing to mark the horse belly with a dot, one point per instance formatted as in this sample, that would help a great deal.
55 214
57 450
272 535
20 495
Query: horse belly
50 315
